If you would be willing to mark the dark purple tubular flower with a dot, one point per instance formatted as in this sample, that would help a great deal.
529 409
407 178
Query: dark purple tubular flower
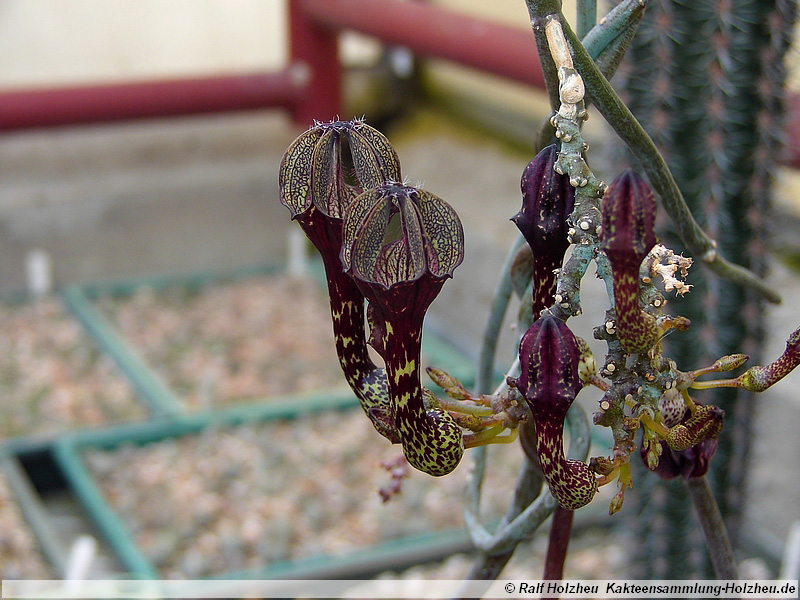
400 245
692 462
322 171
549 381
627 236
547 202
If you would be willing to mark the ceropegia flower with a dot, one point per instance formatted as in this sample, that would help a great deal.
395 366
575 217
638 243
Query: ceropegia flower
690 444
331 163
547 201
627 236
704 423
400 244
549 381
322 171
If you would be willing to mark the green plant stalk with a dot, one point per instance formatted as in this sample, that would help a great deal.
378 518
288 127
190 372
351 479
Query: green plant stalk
586 16
488 566
606 42
511 532
497 312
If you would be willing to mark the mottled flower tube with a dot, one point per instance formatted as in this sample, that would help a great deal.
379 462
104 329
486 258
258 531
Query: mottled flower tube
704 423
314 186
627 236
400 244
549 381
758 379
547 201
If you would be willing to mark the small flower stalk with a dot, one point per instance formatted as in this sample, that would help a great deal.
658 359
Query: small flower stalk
549 381
755 379
627 237
400 244
547 201
758 379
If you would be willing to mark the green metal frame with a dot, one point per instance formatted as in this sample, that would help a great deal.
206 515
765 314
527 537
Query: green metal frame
68 454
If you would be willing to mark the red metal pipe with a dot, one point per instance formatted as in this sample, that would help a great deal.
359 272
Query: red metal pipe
23 109
435 32
499 49
316 48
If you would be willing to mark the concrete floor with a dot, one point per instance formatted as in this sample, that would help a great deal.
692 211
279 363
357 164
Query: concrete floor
184 195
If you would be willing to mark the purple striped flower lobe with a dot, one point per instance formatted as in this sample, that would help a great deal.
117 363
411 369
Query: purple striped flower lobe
627 236
547 201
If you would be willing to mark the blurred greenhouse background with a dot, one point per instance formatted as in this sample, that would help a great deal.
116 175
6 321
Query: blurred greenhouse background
150 344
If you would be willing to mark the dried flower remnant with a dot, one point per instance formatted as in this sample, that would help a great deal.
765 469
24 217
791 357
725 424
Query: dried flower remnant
313 180
627 237
400 244
549 381
671 268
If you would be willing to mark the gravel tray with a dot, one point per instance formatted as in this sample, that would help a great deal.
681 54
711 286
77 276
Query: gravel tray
227 343
237 498
52 377
19 554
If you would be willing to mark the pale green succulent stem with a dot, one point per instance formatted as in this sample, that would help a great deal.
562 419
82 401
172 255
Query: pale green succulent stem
502 296
586 16
641 145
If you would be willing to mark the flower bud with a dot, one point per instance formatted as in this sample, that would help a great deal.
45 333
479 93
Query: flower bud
549 381
547 201
704 424
627 237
